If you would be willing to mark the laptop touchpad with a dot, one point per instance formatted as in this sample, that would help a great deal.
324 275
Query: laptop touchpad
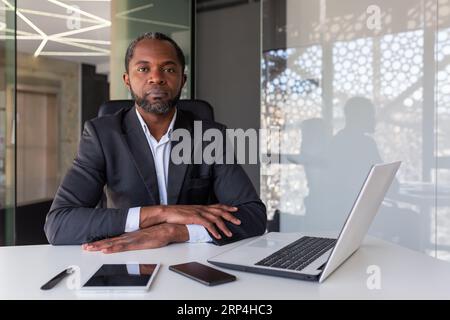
266 243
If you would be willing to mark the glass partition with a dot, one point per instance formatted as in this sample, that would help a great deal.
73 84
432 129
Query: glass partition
442 165
131 18
7 120
349 84
69 59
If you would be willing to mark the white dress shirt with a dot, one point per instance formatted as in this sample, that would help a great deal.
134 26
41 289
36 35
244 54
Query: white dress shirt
161 155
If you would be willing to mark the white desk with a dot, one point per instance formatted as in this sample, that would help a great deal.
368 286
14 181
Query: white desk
405 274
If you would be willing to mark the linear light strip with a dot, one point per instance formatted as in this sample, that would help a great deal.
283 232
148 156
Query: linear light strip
155 22
36 37
29 36
55 15
6 9
31 24
23 33
87 14
41 46
86 0
60 37
78 45
63 34
21 37
79 40
134 10
73 54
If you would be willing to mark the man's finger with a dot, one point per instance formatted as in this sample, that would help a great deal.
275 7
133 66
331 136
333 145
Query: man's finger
99 245
224 207
218 222
118 247
225 215
208 225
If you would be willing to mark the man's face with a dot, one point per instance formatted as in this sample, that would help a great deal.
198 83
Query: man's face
155 76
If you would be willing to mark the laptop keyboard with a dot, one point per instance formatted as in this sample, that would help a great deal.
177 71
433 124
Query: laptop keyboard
298 254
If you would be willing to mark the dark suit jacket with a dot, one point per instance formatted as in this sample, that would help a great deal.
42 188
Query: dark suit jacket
114 152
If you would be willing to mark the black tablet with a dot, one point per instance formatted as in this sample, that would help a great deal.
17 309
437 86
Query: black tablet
122 277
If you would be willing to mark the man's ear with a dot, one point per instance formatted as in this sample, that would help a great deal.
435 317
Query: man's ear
184 80
126 79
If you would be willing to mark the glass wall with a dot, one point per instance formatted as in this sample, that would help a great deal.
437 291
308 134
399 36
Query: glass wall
442 165
70 59
352 83
131 18
7 118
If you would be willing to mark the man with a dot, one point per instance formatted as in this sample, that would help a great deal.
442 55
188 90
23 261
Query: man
153 202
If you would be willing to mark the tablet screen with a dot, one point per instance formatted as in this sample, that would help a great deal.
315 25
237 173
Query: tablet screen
122 275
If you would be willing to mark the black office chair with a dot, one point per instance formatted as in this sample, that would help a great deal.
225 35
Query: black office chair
202 109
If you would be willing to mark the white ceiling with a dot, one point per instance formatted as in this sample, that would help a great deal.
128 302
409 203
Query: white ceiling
78 30
75 30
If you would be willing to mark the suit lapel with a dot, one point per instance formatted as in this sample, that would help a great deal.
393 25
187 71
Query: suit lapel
177 172
141 153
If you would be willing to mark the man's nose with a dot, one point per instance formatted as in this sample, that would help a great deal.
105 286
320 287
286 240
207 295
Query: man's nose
156 76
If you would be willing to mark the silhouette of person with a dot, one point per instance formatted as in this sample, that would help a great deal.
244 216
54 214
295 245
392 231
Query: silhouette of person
351 153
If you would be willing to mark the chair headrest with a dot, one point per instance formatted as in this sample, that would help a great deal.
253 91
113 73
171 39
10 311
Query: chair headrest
200 108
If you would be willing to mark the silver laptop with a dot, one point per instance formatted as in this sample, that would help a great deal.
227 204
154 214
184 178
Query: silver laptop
308 257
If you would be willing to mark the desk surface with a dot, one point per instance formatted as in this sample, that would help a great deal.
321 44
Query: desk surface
404 274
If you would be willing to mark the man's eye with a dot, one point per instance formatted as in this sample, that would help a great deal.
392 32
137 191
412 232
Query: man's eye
170 70
142 69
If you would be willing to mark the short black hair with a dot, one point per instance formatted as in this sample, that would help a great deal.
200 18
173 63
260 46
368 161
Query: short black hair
157 36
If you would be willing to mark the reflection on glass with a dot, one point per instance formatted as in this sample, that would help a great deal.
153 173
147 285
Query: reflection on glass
349 89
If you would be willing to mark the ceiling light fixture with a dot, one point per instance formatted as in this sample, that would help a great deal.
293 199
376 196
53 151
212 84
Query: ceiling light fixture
73 54
79 45
68 33
41 46
124 15
61 37
87 0
150 5
32 25
55 15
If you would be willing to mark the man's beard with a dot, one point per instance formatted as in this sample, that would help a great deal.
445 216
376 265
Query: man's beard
159 107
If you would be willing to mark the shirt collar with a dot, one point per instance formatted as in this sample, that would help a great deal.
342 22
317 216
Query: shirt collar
145 127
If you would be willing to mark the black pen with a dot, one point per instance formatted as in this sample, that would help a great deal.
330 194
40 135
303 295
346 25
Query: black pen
56 279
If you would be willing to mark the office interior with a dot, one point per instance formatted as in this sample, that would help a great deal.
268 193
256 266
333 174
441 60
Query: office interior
345 83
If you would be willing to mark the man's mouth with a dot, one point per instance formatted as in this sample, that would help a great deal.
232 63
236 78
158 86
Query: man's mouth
156 94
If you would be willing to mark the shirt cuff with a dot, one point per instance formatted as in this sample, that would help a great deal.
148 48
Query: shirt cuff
198 233
133 219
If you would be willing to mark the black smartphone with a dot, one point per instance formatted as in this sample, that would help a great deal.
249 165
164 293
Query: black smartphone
202 273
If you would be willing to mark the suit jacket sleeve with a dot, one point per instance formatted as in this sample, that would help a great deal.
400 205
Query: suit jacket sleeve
73 218
233 187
